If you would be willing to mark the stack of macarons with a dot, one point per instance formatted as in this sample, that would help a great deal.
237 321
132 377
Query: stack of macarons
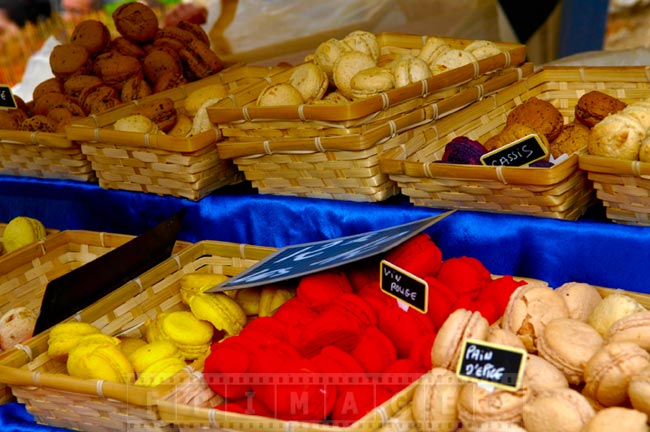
342 346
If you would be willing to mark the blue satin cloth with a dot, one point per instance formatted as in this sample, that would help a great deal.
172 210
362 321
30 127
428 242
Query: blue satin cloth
592 249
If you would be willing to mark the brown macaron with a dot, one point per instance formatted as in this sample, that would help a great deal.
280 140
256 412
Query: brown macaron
199 60
159 61
49 101
135 88
169 80
73 86
115 70
50 85
161 111
195 29
126 47
135 21
92 35
69 59
100 99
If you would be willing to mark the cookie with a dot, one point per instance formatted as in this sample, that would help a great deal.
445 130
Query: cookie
50 85
73 86
161 110
540 115
452 59
511 133
159 61
39 123
135 123
135 88
617 136
432 49
572 139
118 68
124 46
327 54
169 80
8 121
364 42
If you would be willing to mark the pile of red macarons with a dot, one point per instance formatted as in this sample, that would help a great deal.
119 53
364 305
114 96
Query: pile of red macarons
342 346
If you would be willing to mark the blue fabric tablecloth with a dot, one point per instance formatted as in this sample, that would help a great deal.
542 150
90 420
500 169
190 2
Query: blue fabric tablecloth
592 249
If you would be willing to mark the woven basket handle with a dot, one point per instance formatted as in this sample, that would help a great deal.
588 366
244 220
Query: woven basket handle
219 42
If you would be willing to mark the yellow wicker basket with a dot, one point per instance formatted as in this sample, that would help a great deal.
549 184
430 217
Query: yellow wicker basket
187 167
395 415
330 151
43 154
25 273
622 186
57 399
562 191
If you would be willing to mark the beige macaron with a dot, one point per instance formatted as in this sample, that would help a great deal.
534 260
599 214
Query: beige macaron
612 308
580 298
372 81
310 80
639 110
568 344
183 126
135 123
333 98
530 308
363 41
618 419
433 48
483 49
16 326
541 376
632 328
639 391
452 59
435 401
563 409
327 53
347 66
478 404
501 336
499 426
409 69
279 94
197 97
459 326
609 371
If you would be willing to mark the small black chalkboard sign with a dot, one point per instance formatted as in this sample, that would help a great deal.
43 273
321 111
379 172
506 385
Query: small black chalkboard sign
6 97
497 365
521 152
404 286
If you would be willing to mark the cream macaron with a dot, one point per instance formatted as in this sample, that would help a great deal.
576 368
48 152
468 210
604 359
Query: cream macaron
460 325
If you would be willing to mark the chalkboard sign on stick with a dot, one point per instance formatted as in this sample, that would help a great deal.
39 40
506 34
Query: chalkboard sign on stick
498 365
523 151
404 286
7 98
294 261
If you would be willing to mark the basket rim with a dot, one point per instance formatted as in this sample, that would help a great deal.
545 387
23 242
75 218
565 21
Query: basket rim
607 165
375 135
93 128
513 54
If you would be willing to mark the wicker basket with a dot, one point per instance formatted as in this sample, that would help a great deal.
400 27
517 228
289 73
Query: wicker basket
43 154
622 186
187 167
56 399
393 415
563 191
331 151
25 273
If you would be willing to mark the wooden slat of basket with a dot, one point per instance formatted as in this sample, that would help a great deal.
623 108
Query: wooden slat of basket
357 109
186 417
376 131
56 398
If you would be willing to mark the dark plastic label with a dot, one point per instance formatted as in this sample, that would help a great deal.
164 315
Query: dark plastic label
497 365
522 152
6 97
404 286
